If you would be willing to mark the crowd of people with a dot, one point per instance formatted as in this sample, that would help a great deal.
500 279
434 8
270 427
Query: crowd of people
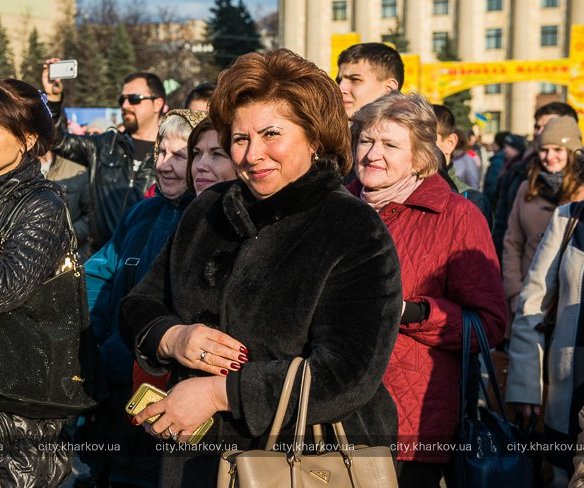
281 213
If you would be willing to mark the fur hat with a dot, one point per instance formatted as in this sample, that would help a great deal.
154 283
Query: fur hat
562 131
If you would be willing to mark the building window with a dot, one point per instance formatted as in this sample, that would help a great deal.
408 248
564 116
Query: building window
493 89
388 8
494 4
549 35
549 3
493 124
340 10
494 38
439 40
440 7
548 88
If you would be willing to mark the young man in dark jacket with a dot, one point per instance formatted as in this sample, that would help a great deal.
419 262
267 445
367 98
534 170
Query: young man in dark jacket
446 140
121 166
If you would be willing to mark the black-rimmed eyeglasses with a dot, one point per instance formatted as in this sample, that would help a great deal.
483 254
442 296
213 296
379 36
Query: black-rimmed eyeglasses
134 99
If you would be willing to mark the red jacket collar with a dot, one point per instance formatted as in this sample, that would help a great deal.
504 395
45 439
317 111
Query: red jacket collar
431 195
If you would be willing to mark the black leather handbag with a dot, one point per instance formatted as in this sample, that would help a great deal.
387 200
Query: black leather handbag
50 365
489 452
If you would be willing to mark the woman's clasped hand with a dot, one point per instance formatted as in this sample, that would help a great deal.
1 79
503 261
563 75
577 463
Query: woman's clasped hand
200 347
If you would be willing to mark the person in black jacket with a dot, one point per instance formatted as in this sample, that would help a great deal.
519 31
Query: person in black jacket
446 140
33 244
121 165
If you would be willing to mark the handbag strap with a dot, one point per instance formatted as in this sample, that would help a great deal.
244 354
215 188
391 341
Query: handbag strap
300 430
283 404
488 362
302 413
471 321
299 434
464 368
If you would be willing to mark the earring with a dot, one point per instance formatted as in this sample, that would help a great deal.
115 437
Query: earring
315 157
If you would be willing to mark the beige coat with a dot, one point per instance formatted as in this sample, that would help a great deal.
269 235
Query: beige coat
526 226
63 169
545 277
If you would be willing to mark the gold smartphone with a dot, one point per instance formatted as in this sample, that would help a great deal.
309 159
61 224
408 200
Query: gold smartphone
144 396
147 394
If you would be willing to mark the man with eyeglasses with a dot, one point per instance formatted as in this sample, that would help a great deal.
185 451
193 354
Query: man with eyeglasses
121 165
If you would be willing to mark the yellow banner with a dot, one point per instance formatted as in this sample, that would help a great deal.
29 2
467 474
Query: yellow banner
340 42
442 79
576 84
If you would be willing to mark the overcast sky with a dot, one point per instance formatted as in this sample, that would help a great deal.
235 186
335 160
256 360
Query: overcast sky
200 8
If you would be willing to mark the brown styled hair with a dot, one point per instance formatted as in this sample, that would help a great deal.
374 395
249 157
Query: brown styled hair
571 181
23 112
201 127
411 111
309 97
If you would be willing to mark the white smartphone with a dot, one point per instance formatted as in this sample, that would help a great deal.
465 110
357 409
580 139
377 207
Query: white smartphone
63 70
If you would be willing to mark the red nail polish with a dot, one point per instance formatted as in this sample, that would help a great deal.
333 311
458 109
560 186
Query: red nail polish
134 421
236 366
243 358
243 349
224 372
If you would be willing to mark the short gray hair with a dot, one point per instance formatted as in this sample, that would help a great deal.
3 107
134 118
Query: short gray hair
411 111
175 126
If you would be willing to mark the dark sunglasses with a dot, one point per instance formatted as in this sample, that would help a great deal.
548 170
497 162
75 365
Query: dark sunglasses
134 99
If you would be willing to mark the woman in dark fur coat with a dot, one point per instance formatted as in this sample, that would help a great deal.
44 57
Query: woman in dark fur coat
283 260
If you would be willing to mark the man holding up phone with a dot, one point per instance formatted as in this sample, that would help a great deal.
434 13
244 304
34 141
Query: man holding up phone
121 165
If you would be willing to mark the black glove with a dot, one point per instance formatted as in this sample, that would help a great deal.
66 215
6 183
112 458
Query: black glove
415 312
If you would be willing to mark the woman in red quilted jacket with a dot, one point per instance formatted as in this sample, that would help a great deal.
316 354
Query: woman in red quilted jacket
448 263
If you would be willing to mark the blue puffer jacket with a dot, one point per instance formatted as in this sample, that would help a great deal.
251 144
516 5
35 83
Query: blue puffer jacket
118 266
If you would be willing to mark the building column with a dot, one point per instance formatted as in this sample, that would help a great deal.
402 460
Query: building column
525 41
318 35
367 20
577 12
470 32
292 21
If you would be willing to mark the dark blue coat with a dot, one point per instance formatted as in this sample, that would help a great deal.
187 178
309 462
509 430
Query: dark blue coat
122 262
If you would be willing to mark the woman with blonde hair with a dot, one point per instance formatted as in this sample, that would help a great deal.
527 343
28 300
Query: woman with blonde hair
283 260
448 264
